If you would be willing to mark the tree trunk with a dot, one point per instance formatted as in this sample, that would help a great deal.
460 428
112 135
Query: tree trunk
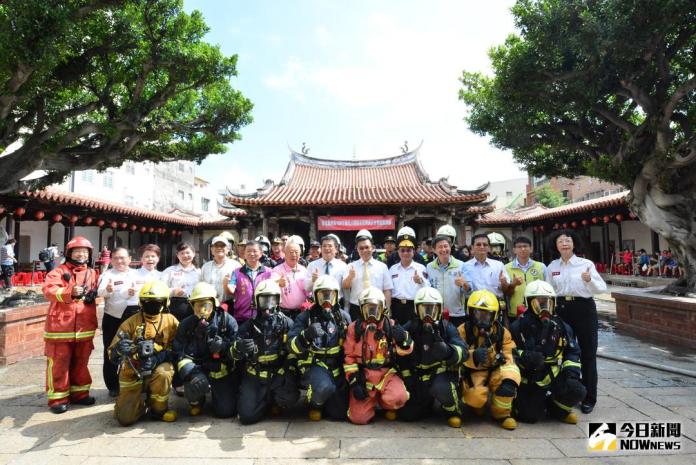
670 214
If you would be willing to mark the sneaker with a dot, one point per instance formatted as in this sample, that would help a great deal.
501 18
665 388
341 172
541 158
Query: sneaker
113 393
89 400
195 410
314 414
169 416
509 423
455 421
58 409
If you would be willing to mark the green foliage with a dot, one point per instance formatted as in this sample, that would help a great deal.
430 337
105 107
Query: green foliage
90 84
592 87
549 197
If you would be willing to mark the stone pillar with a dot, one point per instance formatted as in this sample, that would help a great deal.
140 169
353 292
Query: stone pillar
312 227
18 244
48 232
402 214
620 231
9 224
605 244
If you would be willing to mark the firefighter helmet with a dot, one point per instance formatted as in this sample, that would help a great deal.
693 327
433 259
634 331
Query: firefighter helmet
372 303
482 307
325 291
154 297
203 299
428 304
447 230
541 298
267 295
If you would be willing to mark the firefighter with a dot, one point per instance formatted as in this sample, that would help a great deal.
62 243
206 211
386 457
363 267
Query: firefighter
316 341
372 345
70 326
431 371
267 381
202 354
549 358
142 349
389 249
490 366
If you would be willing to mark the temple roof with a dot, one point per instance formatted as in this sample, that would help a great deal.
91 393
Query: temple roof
539 213
398 180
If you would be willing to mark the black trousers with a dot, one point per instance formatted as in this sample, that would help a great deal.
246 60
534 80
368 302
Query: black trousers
109 329
326 392
533 401
402 311
354 312
257 395
180 307
224 394
581 315
129 312
442 387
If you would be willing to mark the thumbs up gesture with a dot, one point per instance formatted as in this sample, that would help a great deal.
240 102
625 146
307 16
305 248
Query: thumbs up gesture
518 280
351 272
459 280
131 290
586 275
315 275
503 279
416 278
110 286
282 282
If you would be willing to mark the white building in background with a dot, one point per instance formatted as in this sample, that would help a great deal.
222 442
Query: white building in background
510 193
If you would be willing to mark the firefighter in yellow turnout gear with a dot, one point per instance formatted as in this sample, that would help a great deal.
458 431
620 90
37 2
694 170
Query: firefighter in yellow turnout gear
490 366
142 350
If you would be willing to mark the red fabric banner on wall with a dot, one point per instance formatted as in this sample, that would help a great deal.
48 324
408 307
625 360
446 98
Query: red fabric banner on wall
355 223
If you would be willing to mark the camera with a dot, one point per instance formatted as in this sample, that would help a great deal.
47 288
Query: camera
90 297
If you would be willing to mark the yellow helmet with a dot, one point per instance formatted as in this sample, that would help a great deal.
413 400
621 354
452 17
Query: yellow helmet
482 307
203 299
154 297
371 302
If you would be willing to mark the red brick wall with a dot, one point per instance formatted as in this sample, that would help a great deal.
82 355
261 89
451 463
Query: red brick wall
21 333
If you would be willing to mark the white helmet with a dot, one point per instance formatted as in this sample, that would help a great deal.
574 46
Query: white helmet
363 233
325 291
428 304
338 240
447 230
267 295
296 240
372 303
265 243
495 238
406 230
541 297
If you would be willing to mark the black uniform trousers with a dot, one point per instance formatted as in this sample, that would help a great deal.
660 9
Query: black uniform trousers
109 328
326 392
581 315
532 402
256 395
402 310
442 387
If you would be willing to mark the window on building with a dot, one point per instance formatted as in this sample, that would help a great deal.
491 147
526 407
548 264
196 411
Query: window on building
205 203
108 180
181 195
508 194
182 168
565 194
190 196
88 176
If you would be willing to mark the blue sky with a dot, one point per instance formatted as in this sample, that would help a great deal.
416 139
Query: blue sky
356 79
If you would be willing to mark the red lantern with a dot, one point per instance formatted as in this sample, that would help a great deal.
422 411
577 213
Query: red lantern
73 219
565 225
573 224
595 220
57 218
150 229
20 211
606 218
113 225
124 225
174 232
541 228
39 214
556 226
163 230
87 220
585 222
133 227
101 223
143 229
619 217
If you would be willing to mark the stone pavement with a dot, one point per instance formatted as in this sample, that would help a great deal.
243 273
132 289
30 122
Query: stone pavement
29 433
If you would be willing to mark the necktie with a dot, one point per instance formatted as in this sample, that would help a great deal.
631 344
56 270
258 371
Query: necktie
327 268
366 276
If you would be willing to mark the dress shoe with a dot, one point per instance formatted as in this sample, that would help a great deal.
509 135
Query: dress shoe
586 407
60 408
89 400
113 392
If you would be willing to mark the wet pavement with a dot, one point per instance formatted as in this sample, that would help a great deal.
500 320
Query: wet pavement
29 433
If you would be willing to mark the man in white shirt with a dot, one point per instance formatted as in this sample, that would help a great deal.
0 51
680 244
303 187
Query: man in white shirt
326 264
407 278
366 272
116 286
218 271
485 272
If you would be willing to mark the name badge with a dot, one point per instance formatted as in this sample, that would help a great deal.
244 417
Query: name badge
555 273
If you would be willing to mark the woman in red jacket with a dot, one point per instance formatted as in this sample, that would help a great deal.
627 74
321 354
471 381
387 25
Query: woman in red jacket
70 326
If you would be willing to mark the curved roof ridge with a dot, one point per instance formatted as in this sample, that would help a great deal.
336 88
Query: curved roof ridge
304 159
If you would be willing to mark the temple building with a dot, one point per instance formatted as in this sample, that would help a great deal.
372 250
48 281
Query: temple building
320 196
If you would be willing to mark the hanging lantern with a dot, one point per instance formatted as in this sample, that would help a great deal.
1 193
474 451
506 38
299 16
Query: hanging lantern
113 225
143 229
595 220
585 222
124 225
73 219
556 226
39 214
20 211
150 229
163 230
87 220
541 228
101 223
573 224
606 218
174 232
57 218
619 217
133 227
565 225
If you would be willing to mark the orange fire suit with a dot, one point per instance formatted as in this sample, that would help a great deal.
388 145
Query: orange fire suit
478 380
371 352
68 333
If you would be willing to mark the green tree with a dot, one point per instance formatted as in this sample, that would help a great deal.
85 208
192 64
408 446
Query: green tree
549 197
89 84
601 88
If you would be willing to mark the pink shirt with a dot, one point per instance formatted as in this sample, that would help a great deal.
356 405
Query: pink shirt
293 295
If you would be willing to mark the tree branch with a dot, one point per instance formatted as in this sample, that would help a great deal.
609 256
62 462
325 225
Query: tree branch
639 95
615 119
678 94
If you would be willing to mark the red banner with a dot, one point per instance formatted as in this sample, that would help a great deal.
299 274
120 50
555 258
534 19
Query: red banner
355 223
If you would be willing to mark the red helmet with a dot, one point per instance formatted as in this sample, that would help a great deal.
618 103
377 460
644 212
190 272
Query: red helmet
78 241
